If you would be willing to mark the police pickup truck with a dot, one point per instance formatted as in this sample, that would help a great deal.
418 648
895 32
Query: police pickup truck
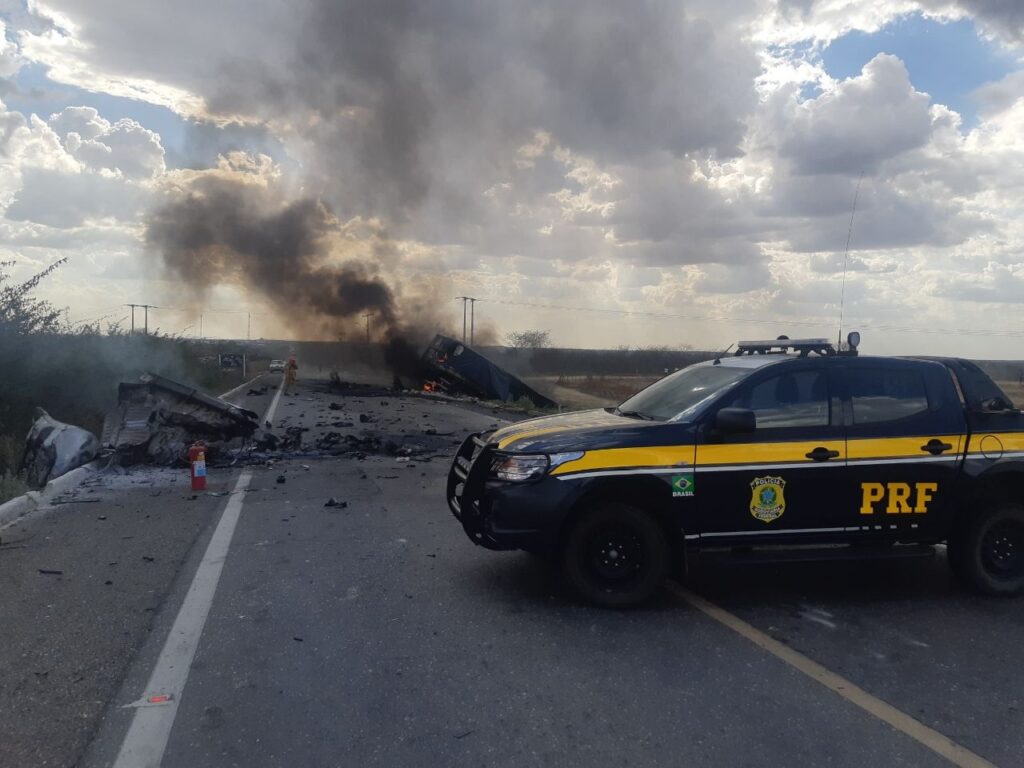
784 445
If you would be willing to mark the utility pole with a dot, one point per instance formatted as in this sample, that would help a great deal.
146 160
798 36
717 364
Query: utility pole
367 316
471 302
248 326
472 320
145 308
201 325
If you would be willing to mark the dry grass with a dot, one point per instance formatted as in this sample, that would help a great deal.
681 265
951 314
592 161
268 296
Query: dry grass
614 389
11 486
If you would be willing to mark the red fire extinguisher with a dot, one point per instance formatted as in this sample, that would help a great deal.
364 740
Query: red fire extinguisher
197 461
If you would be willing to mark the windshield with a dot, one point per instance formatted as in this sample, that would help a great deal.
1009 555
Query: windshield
681 393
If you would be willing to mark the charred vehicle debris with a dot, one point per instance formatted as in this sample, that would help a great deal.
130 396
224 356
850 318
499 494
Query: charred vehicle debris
154 422
54 448
157 419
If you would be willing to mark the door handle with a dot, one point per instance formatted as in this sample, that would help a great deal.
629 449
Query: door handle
822 453
935 447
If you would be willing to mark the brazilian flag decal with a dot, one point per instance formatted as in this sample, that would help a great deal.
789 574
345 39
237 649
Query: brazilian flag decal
682 485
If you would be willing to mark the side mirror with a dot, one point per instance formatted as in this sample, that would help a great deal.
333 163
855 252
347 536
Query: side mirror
735 420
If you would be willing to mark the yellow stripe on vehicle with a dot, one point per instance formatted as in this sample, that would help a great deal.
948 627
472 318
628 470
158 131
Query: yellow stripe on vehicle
898 447
505 442
765 453
552 424
993 444
624 458
1012 441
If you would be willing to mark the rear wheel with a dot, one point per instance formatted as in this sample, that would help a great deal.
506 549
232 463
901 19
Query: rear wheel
616 555
989 553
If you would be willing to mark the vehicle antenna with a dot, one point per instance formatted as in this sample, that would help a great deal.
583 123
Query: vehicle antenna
846 255
718 358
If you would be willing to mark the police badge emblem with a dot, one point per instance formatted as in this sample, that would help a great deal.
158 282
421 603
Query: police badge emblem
767 501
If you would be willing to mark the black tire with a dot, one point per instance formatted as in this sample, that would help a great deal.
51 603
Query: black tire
616 556
989 553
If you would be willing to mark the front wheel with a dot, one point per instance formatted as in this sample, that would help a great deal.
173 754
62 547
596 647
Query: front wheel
616 556
990 552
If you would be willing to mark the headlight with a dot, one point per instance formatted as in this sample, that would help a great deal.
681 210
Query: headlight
518 468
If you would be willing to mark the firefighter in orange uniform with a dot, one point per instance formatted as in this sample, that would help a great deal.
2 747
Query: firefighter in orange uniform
291 372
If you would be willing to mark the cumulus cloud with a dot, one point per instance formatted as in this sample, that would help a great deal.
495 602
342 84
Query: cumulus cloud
683 153
786 22
1004 18
51 176
863 122
124 147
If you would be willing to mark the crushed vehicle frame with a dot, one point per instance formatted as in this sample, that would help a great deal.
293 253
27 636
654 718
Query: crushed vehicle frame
156 419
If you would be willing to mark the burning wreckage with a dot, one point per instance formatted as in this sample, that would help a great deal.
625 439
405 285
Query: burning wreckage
453 368
156 420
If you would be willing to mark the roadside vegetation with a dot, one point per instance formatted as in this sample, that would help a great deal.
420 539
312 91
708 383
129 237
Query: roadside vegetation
72 371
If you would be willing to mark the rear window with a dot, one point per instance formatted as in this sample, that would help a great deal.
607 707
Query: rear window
880 394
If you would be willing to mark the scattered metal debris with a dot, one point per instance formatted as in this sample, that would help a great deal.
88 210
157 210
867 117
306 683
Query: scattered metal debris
54 448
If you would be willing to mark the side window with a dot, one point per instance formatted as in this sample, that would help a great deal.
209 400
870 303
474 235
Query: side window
878 394
797 399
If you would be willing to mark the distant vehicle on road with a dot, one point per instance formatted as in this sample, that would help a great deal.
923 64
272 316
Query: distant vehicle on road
276 366
785 450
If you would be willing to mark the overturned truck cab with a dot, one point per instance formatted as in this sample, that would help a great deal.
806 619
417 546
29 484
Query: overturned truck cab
453 367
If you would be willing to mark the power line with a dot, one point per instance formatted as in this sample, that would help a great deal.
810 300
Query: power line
755 321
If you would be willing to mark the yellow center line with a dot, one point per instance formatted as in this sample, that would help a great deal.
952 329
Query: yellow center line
901 721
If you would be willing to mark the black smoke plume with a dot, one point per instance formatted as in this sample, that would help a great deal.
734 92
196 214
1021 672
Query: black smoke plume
232 232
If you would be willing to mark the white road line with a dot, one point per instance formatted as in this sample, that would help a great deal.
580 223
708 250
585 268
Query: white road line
239 388
901 721
146 740
269 415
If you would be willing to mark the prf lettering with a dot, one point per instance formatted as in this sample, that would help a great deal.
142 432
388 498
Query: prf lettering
900 498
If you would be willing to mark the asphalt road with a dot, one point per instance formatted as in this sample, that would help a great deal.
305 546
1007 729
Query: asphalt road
377 634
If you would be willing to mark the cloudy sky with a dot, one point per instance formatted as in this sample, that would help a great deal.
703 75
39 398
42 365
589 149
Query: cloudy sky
683 171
